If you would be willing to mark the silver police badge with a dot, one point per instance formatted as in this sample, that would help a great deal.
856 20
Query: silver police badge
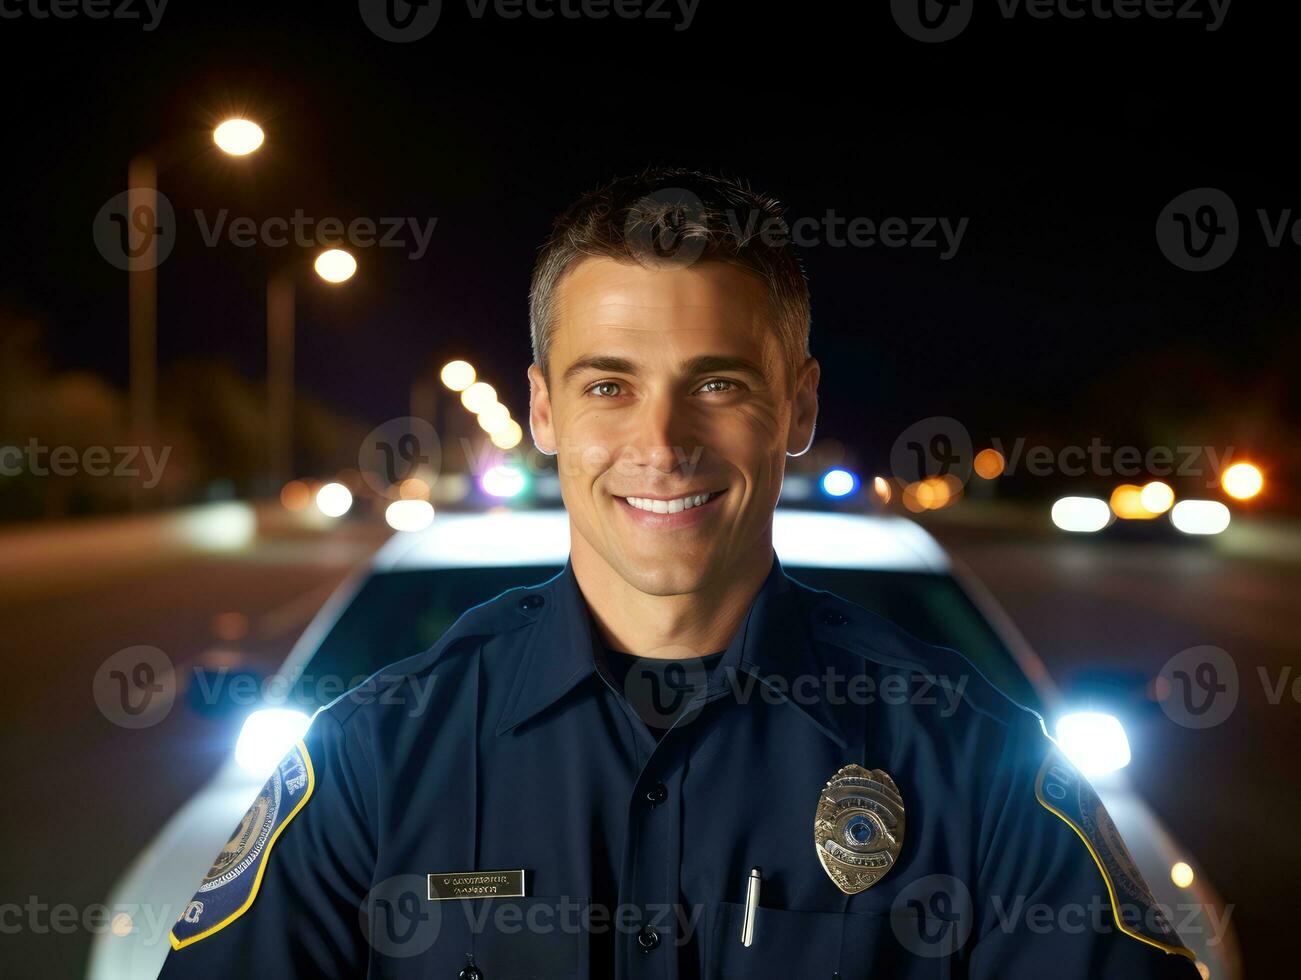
858 828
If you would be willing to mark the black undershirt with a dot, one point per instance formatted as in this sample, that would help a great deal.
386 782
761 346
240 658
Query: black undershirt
678 678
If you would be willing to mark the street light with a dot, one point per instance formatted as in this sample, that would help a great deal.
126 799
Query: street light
238 137
336 265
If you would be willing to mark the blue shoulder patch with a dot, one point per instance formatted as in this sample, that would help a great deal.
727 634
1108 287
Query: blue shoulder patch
232 882
1064 792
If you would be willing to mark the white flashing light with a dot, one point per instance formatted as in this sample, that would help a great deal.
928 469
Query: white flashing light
1094 741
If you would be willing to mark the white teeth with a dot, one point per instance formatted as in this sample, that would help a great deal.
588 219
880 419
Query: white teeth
669 506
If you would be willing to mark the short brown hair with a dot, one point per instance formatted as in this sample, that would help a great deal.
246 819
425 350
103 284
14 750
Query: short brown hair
668 216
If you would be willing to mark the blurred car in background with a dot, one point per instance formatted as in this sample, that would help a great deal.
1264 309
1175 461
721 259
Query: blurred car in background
419 583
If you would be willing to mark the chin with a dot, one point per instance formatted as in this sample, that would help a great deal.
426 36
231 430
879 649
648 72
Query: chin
665 574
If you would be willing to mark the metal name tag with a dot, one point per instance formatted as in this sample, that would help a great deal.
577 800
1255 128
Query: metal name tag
476 884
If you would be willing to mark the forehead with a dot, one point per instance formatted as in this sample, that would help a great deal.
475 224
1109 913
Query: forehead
602 302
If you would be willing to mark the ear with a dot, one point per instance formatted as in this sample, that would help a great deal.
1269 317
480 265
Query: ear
540 424
804 411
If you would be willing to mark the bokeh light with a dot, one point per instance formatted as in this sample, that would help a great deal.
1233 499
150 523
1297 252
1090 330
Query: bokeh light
1242 481
457 375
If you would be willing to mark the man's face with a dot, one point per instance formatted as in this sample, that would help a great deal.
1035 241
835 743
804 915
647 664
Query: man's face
671 411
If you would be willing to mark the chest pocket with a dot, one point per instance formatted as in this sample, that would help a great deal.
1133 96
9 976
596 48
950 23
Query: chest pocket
814 946
539 937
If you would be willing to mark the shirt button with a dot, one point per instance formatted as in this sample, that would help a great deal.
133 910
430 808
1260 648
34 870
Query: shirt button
531 602
833 617
648 939
657 794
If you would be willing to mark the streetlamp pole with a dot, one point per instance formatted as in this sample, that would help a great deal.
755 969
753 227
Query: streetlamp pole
280 375
142 298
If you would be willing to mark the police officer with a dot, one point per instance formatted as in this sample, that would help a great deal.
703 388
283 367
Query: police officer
671 760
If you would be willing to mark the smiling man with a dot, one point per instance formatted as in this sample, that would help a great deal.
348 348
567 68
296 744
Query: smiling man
671 760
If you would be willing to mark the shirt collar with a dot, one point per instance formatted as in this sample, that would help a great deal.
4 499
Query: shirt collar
772 645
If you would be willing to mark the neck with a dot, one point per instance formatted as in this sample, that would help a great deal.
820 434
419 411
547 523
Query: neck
671 627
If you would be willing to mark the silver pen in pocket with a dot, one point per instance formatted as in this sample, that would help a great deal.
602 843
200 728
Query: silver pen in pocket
751 906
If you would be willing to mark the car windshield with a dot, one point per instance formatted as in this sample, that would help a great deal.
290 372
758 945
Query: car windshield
398 614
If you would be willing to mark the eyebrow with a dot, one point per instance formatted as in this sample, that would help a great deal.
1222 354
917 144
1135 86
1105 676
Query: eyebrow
703 364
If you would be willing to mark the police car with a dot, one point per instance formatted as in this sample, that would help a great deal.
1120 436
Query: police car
419 583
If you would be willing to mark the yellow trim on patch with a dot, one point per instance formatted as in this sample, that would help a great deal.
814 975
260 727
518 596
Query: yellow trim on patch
266 856
1111 889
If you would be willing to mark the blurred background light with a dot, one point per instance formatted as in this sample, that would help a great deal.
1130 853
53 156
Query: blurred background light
409 515
1157 497
267 735
1200 516
839 482
295 495
1181 873
336 265
478 396
238 137
457 375
1081 515
334 500
1242 481
1127 503
988 464
494 417
1094 741
881 487
508 436
503 481
413 488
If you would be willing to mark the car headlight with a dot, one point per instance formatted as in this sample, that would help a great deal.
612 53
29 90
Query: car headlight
1094 741
268 734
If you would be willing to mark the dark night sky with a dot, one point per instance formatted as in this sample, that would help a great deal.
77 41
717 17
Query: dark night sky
1060 141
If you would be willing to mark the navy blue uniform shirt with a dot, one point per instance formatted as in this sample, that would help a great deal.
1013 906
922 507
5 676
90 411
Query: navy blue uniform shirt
510 746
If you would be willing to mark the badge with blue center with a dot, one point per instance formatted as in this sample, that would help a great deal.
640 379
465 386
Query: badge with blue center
858 828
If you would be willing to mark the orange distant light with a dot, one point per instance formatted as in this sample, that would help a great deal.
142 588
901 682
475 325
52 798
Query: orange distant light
989 464
1243 481
295 495
1127 503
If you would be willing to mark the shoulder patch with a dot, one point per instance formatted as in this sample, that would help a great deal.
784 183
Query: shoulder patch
1065 793
231 884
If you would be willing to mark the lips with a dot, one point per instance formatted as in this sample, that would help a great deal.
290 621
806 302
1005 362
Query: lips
671 506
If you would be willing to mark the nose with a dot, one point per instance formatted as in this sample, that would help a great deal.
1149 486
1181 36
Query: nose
660 434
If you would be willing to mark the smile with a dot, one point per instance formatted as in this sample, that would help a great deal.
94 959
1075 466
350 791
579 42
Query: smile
670 506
